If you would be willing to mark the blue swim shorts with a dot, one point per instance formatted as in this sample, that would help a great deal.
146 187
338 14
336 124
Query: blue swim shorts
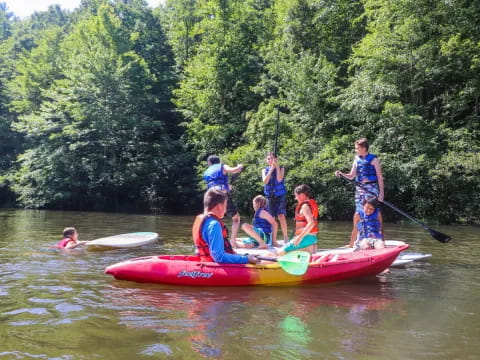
277 205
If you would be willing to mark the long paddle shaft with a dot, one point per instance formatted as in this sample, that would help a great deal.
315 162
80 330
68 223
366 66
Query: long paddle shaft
275 144
435 234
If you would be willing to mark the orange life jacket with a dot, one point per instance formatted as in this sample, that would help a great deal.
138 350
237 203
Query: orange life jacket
203 251
301 221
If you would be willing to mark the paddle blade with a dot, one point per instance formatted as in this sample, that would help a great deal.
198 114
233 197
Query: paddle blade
295 262
439 236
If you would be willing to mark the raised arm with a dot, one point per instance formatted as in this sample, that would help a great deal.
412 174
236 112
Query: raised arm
267 175
232 170
280 173
351 175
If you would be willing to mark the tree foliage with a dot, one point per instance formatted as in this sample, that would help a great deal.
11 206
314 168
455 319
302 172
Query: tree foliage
115 105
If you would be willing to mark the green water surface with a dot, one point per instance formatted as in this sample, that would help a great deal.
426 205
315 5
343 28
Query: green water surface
62 306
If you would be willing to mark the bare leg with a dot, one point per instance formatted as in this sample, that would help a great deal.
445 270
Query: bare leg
241 244
379 244
283 225
365 245
310 249
253 234
235 227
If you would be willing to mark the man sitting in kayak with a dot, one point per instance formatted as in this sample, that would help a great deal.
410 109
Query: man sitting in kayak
306 222
367 230
210 235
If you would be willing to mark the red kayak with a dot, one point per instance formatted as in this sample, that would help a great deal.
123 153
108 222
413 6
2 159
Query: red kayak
188 270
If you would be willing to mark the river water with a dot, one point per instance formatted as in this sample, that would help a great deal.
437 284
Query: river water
59 306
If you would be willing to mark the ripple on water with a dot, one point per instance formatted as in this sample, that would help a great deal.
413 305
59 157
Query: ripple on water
33 311
65 308
44 301
11 355
157 349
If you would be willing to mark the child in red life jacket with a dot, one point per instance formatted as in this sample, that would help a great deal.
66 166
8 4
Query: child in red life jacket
264 229
306 222
70 239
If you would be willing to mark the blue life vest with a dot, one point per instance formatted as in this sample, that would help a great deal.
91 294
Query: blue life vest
274 187
369 226
215 177
261 223
365 169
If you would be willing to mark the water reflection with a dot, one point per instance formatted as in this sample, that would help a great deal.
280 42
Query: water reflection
277 322
59 306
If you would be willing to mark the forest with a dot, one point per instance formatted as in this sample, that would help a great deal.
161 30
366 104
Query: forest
115 106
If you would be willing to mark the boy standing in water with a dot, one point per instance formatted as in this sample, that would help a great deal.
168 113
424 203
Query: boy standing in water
216 177
367 172
273 177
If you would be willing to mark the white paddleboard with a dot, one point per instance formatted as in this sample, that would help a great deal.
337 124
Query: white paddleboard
414 256
124 240
400 262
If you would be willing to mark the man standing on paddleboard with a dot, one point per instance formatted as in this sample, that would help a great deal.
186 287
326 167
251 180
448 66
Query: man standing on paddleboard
367 172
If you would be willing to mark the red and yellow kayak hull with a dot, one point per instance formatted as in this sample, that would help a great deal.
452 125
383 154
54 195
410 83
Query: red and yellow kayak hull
188 270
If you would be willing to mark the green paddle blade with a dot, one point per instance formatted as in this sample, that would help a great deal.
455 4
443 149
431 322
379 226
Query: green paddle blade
295 262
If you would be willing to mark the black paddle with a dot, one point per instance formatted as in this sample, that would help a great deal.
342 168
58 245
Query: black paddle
275 144
437 235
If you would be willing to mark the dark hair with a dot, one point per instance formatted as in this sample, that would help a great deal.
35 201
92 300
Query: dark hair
213 159
372 201
212 198
68 232
363 142
304 189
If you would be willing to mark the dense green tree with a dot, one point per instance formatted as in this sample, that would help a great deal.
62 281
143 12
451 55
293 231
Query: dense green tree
304 70
114 105
215 90
94 140
413 86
